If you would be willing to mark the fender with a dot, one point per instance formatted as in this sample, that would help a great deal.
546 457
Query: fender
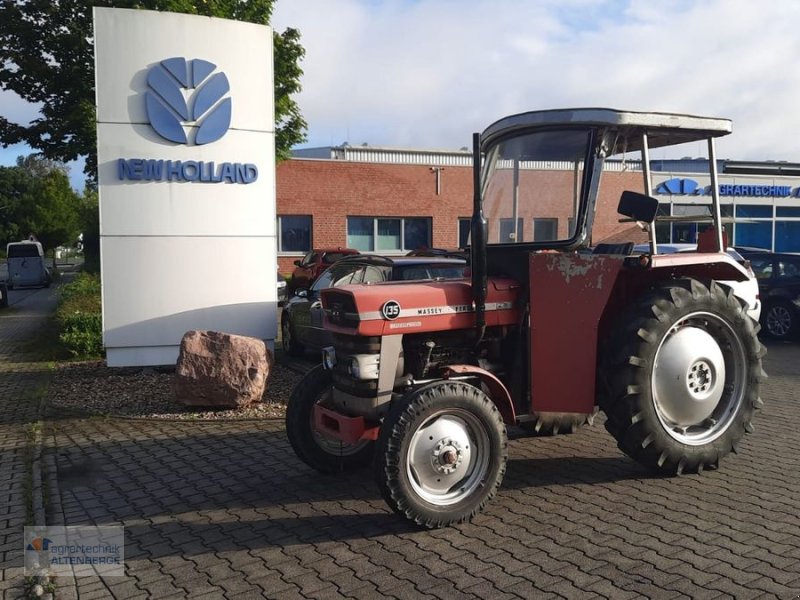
711 265
498 392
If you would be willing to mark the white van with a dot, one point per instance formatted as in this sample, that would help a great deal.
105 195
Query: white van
26 265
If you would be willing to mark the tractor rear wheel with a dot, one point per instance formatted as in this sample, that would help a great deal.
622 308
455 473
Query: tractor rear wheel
681 377
441 454
323 453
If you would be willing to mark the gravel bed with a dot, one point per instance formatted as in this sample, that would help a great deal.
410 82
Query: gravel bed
92 388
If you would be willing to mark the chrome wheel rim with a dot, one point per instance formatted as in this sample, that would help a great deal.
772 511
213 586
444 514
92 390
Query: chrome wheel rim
448 457
779 321
698 378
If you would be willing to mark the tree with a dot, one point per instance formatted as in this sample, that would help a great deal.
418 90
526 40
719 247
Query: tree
90 228
46 53
36 198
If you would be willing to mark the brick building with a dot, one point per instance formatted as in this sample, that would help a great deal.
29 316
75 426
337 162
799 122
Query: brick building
390 201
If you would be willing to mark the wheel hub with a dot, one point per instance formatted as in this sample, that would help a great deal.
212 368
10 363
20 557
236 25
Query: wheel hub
446 456
700 378
689 377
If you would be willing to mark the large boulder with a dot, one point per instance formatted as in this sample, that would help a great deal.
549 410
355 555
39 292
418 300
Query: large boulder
221 370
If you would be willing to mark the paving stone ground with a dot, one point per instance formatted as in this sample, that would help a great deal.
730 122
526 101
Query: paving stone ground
22 382
225 510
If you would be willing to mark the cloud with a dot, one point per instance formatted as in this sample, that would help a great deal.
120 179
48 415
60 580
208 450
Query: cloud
427 73
17 110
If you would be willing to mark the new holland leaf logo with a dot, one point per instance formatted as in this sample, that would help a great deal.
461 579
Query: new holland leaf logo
682 187
182 93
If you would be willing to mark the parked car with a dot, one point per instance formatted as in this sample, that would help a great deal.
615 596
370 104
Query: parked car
26 265
778 278
747 250
746 290
301 321
443 252
313 264
283 292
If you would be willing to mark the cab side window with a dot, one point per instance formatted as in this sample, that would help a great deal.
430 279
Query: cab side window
762 267
373 274
343 275
788 269
324 281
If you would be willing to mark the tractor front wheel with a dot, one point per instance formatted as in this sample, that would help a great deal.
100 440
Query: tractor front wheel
441 454
323 453
681 376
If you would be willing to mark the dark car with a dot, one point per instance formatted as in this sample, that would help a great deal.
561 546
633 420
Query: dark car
301 321
313 264
443 252
779 287
283 292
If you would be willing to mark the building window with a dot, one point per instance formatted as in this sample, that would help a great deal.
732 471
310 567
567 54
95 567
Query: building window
787 236
685 232
663 229
507 233
787 211
294 233
756 234
753 211
464 229
545 230
571 223
388 235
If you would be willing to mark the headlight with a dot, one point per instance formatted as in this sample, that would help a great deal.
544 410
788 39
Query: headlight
355 370
363 366
329 357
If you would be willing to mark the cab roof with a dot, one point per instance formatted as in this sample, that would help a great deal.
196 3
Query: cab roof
663 129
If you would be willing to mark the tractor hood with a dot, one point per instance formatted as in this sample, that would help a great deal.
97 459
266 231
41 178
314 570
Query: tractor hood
403 307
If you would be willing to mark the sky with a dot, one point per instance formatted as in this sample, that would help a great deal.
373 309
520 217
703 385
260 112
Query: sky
428 73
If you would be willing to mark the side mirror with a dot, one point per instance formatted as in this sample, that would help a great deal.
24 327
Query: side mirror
298 263
301 293
638 207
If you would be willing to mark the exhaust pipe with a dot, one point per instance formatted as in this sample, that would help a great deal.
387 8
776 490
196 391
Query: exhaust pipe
478 232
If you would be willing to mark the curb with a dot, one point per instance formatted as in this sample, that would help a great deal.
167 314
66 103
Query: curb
39 583
43 479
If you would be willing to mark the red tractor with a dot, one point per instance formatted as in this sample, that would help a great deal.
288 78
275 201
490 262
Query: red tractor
423 378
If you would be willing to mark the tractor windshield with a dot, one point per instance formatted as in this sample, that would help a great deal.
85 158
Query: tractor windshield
532 185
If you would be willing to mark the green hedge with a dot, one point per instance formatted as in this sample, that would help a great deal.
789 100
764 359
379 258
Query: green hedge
79 317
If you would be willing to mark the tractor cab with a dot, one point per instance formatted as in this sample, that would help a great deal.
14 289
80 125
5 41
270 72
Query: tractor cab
542 173
423 378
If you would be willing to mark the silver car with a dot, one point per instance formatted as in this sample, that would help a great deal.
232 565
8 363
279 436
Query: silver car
745 290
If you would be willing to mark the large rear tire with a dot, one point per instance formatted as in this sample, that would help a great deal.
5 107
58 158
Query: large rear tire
325 454
441 454
681 376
